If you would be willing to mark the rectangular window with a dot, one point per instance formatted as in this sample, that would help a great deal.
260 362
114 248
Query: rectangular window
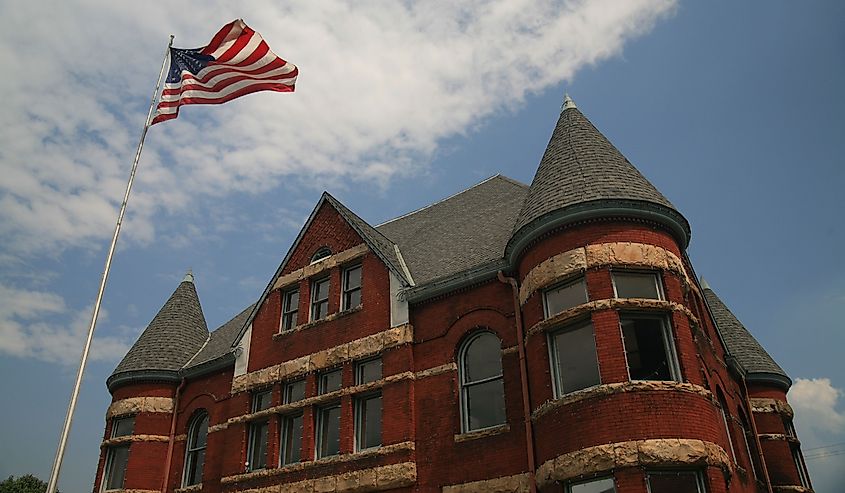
291 439
790 428
330 381
117 457
368 422
294 391
637 285
328 431
368 371
675 482
751 457
802 468
258 431
574 362
649 348
290 309
319 298
564 296
603 485
351 287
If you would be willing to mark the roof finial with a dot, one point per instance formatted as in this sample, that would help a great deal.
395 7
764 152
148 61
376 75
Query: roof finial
704 284
567 102
189 276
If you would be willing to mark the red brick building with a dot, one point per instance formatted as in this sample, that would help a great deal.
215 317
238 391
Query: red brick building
509 338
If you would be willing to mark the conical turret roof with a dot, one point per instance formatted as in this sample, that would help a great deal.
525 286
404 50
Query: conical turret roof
581 171
172 338
758 364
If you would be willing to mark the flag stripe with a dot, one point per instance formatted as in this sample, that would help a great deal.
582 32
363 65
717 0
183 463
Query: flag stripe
236 62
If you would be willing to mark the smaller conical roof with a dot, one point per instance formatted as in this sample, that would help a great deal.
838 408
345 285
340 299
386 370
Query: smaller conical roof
171 339
582 171
757 363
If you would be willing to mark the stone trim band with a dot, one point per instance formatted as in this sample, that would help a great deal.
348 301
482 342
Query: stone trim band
580 259
518 483
636 453
768 405
321 266
134 438
135 405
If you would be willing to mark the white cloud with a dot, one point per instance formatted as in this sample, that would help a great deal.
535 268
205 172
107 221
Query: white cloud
37 324
382 83
820 422
815 402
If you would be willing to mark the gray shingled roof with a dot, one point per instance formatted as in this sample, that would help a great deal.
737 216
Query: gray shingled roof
463 231
581 165
173 337
739 341
220 341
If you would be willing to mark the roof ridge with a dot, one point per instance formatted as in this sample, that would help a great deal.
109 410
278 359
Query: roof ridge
482 182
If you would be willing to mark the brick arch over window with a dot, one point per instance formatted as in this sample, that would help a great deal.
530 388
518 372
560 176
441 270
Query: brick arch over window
481 382
195 448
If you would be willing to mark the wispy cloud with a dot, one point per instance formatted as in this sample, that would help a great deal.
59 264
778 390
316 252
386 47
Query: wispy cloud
820 421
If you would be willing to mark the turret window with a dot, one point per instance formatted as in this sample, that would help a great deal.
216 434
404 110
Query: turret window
351 287
573 356
320 298
603 485
195 450
290 309
118 456
258 431
637 285
482 386
564 296
675 482
649 348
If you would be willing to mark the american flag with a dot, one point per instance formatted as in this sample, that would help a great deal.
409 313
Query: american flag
236 62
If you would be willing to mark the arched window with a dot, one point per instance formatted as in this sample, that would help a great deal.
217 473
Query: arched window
320 254
723 407
195 450
482 387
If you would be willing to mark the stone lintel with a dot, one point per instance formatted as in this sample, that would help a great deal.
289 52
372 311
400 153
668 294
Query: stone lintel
486 432
134 438
768 405
437 370
518 483
135 405
360 480
323 265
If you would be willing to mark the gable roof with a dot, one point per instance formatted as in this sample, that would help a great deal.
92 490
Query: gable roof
468 229
220 341
581 171
170 340
758 364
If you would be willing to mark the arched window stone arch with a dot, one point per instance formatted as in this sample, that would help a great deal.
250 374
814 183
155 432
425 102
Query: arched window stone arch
195 449
482 392
320 254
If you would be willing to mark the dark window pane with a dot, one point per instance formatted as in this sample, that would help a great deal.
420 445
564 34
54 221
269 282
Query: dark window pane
368 371
575 357
328 429
290 311
634 285
261 401
258 445
294 391
331 381
320 254
561 298
118 456
645 349
485 404
122 427
604 485
194 468
199 433
351 299
321 289
483 358
369 422
674 482
292 440
352 278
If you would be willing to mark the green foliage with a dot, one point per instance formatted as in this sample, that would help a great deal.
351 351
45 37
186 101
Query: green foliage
23 484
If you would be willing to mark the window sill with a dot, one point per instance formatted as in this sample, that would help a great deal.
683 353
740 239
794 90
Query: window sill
327 318
482 433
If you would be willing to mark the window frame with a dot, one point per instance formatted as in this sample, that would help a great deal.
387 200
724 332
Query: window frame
800 465
570 484
464 385
108 470
563 284
321 253
191 452
360 403
321 381
315 302
287 424
668 338
287 323
254 430
320 417
359 370
346 290
701 485
557 380
656 275
287 390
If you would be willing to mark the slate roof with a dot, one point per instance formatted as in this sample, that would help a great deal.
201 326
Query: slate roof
739 341
468 229
172 338
220 341
581 165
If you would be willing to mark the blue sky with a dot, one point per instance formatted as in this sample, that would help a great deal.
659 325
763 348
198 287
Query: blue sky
734 110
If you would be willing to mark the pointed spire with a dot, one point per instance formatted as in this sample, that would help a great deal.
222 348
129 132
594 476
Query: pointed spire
568 103
704 284
189 276
173 336
583 174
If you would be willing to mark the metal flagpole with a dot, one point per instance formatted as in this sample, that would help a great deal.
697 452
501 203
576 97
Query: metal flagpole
60 452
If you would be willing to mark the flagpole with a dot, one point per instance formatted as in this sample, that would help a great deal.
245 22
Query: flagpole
60 452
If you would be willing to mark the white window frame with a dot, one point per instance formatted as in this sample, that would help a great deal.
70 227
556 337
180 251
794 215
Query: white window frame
699 477
287 425
192 452
658 281
571 484
557 379
318 431
359 370
314 301
108 469
345 289
464 385
254 430
564 284
360 404
286 309
668 337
